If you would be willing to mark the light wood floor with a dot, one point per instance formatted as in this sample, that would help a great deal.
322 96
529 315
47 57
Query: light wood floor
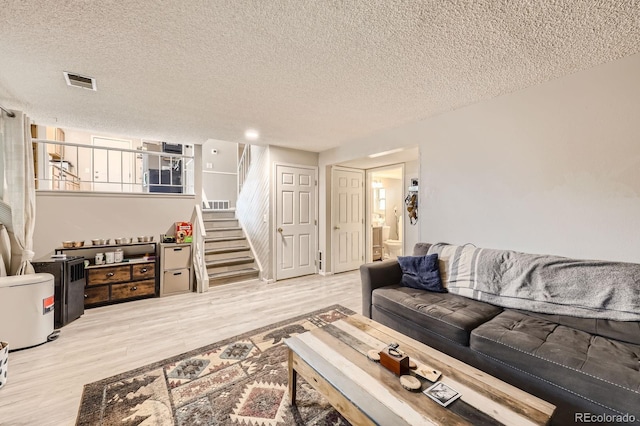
45 383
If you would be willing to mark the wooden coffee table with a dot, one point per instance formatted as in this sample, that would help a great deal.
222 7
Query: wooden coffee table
333 360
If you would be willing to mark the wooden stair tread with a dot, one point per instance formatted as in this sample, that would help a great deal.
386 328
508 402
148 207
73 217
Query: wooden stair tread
231 261
238 273
219 239
234 228
226 250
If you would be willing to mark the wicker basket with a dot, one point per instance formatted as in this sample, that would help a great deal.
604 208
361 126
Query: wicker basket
4 362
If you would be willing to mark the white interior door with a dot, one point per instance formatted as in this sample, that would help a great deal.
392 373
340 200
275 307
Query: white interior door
295 221
347 219
111 169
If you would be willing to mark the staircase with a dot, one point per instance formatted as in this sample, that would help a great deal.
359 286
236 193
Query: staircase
227 252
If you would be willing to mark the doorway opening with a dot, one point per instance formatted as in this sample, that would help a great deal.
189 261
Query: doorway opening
385 211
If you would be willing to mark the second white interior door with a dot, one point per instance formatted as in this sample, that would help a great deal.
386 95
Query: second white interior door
295 221
347 219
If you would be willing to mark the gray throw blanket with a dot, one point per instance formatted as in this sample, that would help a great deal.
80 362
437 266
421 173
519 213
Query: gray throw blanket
540 283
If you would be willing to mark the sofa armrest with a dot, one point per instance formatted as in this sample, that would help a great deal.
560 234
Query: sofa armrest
376 275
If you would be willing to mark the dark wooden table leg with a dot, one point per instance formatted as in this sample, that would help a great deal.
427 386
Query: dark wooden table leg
293 377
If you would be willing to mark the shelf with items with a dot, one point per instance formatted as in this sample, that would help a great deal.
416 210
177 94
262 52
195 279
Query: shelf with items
153 244
132 278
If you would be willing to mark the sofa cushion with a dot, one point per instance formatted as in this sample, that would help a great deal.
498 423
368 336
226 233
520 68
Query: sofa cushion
421 272
450 316
420 249
606 370
627 331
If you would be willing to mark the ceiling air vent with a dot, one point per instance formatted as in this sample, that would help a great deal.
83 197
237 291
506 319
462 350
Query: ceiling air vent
77 80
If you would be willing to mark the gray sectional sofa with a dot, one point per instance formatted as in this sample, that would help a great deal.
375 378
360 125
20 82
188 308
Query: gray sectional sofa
588 367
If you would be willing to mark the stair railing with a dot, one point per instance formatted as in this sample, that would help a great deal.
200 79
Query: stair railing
243 166
205 200
199 264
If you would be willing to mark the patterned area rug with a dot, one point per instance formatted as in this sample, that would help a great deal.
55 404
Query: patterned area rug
239 381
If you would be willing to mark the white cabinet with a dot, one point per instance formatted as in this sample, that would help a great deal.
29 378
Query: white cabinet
175 265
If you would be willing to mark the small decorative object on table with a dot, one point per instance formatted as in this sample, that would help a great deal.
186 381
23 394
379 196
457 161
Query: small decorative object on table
410 383
373 355
428 373
442 394
394 360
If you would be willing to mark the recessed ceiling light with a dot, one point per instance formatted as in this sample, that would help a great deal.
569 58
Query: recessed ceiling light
251 134
77 80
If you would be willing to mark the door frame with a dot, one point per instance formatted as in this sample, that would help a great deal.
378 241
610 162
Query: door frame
334 252
369 207
274 214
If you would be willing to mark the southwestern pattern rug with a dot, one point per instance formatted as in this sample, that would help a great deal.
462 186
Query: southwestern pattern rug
238 381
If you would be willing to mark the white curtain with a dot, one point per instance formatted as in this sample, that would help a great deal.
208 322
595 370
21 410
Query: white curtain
19 190
5 251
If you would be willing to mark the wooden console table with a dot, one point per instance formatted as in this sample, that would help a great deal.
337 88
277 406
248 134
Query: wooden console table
132 279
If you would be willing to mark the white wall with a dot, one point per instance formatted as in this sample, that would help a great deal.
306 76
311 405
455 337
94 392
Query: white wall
82 217
551 169
220 170
225 160
411 232
253 207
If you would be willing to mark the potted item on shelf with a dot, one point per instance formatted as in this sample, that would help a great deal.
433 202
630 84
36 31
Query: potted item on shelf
167 238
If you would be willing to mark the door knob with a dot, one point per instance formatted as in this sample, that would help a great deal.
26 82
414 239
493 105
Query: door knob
336 227
280 230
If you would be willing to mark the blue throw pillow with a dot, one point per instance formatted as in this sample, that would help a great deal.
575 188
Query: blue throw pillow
421 272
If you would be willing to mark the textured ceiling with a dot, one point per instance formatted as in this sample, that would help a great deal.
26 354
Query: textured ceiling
308 74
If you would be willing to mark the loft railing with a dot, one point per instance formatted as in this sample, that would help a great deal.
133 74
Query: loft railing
243 166
66 166
199 264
